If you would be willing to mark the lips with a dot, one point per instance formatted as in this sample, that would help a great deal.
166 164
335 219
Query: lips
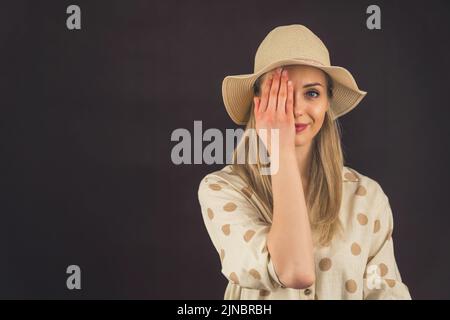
299 127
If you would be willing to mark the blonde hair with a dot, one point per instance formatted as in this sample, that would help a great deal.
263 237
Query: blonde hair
324 193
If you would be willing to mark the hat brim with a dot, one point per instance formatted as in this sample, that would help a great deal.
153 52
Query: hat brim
237 90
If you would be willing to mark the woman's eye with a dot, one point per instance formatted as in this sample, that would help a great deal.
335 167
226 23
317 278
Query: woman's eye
312 94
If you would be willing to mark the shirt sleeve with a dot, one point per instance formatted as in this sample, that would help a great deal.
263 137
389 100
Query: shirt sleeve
238 234
382 280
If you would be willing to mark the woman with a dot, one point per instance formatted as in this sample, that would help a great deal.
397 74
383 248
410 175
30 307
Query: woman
314 228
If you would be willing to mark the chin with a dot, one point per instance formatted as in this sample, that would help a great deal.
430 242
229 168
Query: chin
301 141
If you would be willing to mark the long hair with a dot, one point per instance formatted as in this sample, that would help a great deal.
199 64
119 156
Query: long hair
324 193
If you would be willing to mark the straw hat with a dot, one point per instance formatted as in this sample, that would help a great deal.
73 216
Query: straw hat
288 45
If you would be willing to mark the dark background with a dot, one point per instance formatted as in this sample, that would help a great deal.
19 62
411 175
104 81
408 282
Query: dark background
86 119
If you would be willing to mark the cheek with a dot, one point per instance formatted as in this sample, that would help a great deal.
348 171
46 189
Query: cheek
317 114
317 111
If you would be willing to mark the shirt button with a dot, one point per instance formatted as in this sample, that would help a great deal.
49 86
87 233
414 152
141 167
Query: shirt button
307 292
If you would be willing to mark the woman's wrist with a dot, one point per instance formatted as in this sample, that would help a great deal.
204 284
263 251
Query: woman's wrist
285 162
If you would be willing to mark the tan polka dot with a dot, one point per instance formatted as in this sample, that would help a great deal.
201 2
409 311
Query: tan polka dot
255 274
264 293
215 186
383 269
376 226
249 235
350 176
390 282
222 255
325 264
356 249
351 286
234 278
206 179
230 207
247 191
362 219
361 191
210 213
226 229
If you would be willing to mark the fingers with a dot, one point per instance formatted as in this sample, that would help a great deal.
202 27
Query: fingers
272 104
256 101
282 95
290 99
265 93
277 94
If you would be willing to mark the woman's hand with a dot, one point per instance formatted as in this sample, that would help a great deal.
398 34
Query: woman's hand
274 110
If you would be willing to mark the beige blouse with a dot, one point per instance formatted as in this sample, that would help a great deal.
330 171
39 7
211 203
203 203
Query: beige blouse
359 266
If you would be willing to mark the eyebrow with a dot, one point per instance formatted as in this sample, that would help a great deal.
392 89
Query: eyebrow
312 85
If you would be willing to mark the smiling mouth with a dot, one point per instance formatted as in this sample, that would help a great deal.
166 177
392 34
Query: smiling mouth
300 127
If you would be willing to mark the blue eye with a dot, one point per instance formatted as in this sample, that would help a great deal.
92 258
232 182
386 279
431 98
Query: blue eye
312 92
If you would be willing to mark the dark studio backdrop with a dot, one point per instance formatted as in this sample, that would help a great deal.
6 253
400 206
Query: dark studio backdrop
87 116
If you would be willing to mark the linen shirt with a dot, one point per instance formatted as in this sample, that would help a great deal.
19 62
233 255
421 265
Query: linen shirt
360 265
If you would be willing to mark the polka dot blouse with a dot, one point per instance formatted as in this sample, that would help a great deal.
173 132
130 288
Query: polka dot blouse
360 265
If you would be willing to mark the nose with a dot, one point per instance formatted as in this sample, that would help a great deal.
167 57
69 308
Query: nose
299 106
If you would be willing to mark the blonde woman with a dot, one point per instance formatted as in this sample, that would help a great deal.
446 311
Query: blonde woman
315 228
